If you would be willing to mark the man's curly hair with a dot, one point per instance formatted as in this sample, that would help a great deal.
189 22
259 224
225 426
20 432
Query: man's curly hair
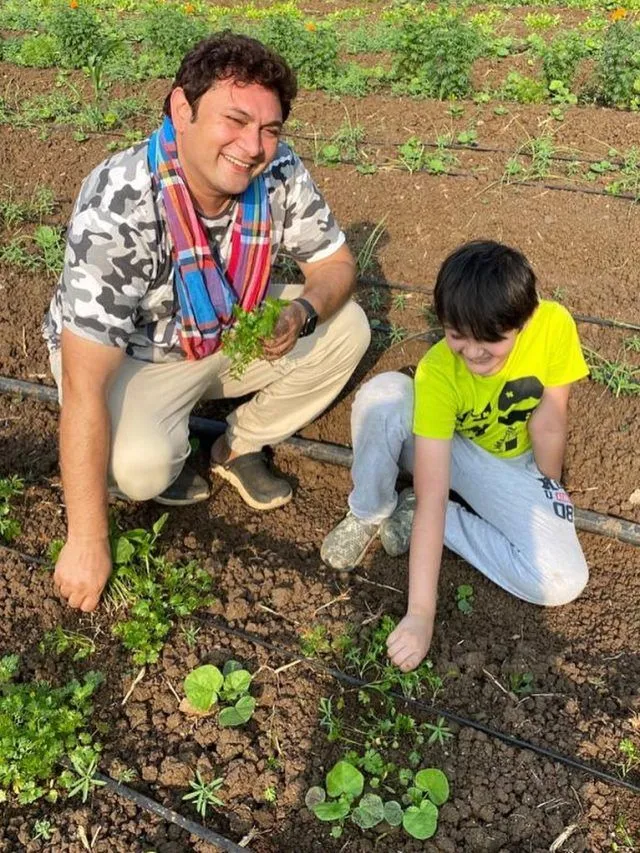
227 56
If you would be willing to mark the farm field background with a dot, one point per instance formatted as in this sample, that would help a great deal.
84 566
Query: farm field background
525 130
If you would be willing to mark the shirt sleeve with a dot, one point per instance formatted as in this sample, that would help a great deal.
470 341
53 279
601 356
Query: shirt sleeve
566 361
311 232
435 400
107 270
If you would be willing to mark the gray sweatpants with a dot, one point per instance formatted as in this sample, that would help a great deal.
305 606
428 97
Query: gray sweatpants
522 538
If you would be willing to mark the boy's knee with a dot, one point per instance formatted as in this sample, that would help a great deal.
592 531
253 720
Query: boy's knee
566 585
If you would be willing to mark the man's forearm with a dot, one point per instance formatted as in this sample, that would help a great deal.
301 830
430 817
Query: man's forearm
85 436
329 288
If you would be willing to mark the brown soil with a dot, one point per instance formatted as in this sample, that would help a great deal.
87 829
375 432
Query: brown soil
585 658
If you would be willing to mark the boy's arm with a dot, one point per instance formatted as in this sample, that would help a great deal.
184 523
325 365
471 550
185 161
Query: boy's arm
548 430
409 643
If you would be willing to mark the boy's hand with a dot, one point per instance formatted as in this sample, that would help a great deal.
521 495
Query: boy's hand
409 643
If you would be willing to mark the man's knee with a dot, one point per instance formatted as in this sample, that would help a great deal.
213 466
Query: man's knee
351 327
143 470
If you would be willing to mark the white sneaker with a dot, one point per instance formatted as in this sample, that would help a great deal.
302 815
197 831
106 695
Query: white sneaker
346 545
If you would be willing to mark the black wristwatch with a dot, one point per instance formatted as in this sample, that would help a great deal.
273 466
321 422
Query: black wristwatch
312 318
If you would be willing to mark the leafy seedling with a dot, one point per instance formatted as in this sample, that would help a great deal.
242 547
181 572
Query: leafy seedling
205 686
630 756
43 829
521 683
60 641
464 598
243 342
83 780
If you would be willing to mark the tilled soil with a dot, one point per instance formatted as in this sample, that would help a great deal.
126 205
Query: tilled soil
584 658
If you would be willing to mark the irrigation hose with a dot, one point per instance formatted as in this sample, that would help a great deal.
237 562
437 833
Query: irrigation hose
169 815
432 710
337 454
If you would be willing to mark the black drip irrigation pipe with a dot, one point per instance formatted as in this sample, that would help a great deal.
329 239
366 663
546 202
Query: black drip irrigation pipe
432 710
337 454
169 815
457 146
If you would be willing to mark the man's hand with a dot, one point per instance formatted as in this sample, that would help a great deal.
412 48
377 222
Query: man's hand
287 330
82 572
408 645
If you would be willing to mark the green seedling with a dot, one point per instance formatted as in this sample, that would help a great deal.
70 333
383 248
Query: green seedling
243 342
438 733
270 794
630 756
43 829
206 686
41 726
60 641
203 793
345 784
314 641
83 780
396 333
621 378
376 299
464 598
128 774
190 633
10 487
632 343
521 683
399 301
14 212
366 256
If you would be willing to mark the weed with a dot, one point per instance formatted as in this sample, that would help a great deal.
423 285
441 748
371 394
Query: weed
82 780
344 145
50 244
40 726
434 52
43 829
270 794
155 591
621 378
559 294
310 48
376 299
329 721
60 641
396 333
521 683
10 487
632 343
242 343
190 633
314 641
414 156
618 71
366 255
14 212
127 775
203 793
630 756
399 301
622 840
464 598
438 732
539 152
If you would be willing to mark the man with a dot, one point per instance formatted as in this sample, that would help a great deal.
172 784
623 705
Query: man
165 238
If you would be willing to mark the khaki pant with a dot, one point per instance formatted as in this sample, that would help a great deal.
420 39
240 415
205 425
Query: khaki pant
150 403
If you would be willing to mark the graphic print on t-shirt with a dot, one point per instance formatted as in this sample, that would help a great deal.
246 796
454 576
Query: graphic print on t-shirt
518 398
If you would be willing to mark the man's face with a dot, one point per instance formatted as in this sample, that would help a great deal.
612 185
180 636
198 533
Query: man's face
483 358
233 138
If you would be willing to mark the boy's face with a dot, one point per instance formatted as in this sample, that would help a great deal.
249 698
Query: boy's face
483 358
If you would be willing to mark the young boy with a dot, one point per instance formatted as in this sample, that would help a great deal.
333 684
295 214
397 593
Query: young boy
487 417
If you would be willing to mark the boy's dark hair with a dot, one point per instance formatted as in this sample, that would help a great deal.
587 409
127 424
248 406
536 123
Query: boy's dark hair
485 289
227 56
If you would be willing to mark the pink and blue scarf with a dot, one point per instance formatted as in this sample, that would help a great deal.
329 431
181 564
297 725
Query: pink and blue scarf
206 292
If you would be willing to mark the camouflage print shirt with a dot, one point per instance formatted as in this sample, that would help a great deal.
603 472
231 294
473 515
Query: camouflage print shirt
117 285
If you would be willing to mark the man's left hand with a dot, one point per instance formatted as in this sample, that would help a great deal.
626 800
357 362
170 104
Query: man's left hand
287 330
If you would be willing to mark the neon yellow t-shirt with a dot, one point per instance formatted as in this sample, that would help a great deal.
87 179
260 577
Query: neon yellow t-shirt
493 411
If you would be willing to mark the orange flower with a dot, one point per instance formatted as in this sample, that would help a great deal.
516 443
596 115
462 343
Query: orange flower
618 14
311 27
189 8
73 4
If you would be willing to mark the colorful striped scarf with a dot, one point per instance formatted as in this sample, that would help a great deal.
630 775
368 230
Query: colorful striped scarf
206 292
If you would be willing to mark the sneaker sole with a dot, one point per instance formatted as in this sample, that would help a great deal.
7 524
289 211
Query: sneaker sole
237 483
356 562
